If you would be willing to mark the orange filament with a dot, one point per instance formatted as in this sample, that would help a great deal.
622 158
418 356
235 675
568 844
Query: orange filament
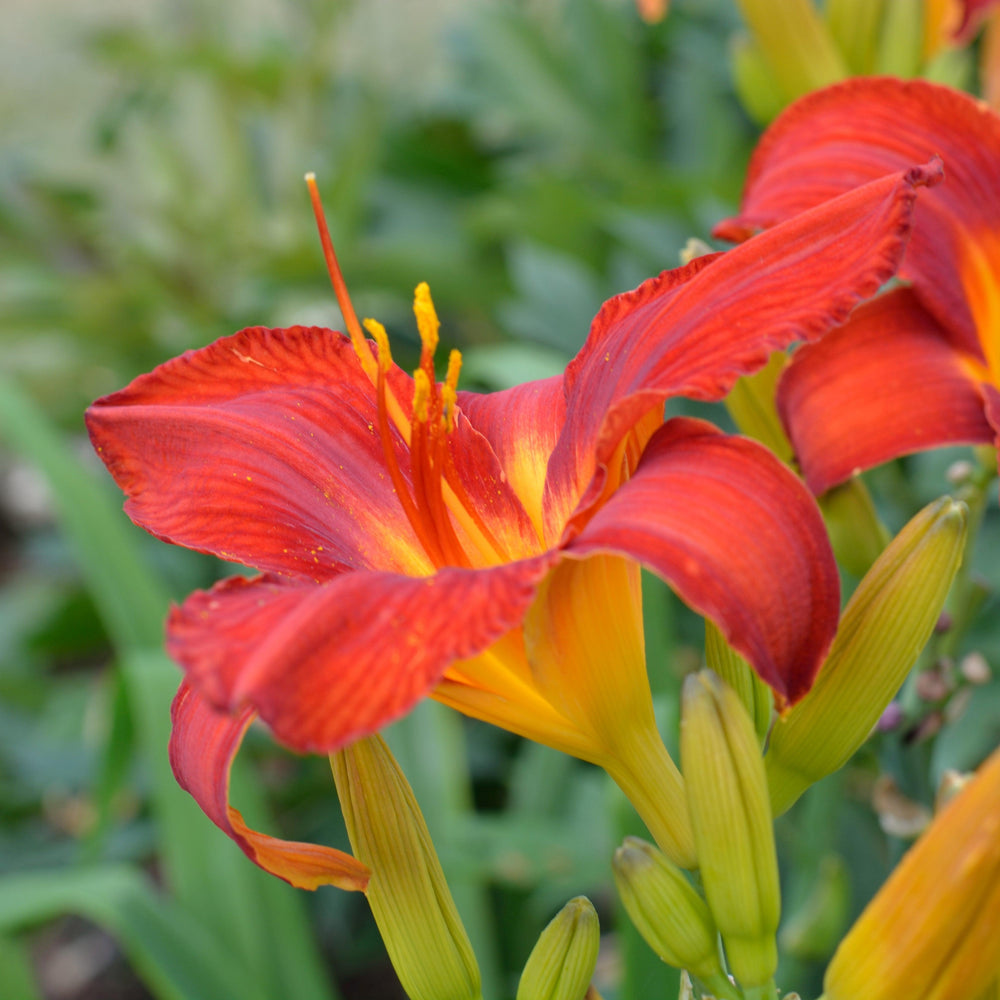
435 493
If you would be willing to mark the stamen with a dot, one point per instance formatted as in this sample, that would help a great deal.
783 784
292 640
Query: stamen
449 391
377 330
410 509
428 325
421 395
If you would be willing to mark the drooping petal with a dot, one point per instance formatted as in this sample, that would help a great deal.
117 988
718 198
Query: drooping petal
885 384
261 448
203 744
326 664
833 140
693 332
738 537
522 425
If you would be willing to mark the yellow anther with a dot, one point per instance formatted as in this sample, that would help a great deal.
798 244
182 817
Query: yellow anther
377 330
447 408
454 367
449 391
427 320
421 395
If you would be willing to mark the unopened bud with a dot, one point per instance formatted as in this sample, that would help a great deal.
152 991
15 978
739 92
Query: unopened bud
741 677
733 830
796 43
407 893
857 535
666 909
882 631
562 962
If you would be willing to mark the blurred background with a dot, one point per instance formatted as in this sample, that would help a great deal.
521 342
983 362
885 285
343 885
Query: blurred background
528 159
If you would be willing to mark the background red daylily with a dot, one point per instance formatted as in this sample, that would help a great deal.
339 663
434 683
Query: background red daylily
919 366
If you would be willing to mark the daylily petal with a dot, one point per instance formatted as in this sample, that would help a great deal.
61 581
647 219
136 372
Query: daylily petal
885 384
522 425
835 139
694 331
738 537
324 665
202 747
254 449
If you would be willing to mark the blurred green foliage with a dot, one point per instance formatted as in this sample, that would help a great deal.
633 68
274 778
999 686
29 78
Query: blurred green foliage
527 159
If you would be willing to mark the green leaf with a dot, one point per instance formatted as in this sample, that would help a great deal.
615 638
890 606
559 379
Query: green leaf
15 972
256 915
171 950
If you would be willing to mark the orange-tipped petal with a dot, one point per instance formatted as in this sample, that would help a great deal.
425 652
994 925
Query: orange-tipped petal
885 384
694 331
739 538
838 138
324 665
202 747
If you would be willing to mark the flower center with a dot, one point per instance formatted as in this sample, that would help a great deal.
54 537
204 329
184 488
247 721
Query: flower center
434 500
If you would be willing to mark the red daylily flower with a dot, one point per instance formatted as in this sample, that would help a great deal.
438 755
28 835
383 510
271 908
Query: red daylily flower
919 366
485 549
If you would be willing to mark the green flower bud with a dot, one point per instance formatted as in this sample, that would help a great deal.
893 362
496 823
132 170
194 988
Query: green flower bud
901 42
751 404
741 677
667 911
733 831
854 25
796 43
857 535
407 893
562 962
882 630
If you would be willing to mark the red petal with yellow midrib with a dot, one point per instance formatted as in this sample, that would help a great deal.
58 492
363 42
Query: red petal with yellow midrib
264 448
203 744
522 425
261 448
885 384
694 331
739 538
326 664
838 138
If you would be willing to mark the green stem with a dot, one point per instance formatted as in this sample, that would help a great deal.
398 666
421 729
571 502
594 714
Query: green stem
721 988
766 992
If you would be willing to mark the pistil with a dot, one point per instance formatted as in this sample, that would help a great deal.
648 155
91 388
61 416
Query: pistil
437 490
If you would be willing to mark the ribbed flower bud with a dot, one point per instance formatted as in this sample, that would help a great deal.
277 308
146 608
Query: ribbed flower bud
407 893
794 39
882 631
741 677
667 910
857 535
562 962
932 932
751 405
733 830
